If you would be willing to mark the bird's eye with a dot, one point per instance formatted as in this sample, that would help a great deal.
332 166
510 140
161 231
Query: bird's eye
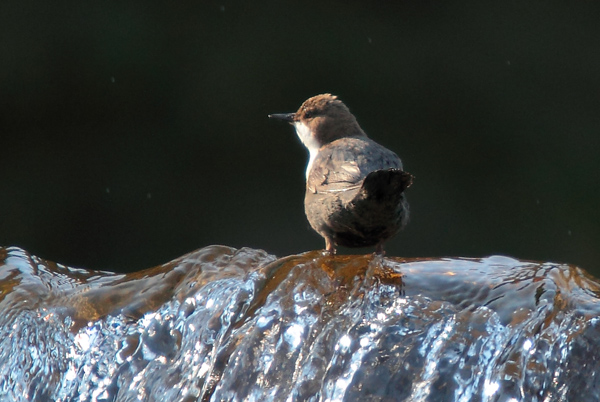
308 114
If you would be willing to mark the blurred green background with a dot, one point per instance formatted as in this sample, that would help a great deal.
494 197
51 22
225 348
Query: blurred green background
132 133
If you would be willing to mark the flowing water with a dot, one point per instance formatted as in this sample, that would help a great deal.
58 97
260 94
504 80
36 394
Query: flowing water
241 325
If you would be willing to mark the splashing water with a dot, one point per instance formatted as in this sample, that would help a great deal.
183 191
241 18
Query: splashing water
240 325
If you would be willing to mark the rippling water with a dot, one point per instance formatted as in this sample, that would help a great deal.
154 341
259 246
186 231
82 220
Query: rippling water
226 324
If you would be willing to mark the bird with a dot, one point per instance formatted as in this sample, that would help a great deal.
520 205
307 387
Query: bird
354 186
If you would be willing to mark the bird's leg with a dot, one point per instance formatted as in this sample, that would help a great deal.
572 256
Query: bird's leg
379 249
329 247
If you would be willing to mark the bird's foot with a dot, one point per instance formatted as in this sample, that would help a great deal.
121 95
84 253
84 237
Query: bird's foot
379 250
328 253
329 247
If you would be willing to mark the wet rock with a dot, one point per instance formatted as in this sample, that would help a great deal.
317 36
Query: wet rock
226 324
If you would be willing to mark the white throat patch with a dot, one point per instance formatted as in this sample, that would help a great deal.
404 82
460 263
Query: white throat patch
309 142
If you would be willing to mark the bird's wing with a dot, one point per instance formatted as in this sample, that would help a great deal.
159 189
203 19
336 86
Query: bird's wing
339 168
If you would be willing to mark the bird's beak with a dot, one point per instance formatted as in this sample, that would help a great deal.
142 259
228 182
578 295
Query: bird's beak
289 117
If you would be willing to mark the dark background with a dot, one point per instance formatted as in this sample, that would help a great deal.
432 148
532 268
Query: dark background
133 133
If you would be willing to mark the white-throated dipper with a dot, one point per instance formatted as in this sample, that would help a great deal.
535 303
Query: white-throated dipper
354 186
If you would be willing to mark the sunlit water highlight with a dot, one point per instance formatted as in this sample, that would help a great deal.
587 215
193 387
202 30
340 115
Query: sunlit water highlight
226 324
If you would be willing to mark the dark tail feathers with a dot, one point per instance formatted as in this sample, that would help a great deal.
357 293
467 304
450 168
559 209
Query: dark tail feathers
386 183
